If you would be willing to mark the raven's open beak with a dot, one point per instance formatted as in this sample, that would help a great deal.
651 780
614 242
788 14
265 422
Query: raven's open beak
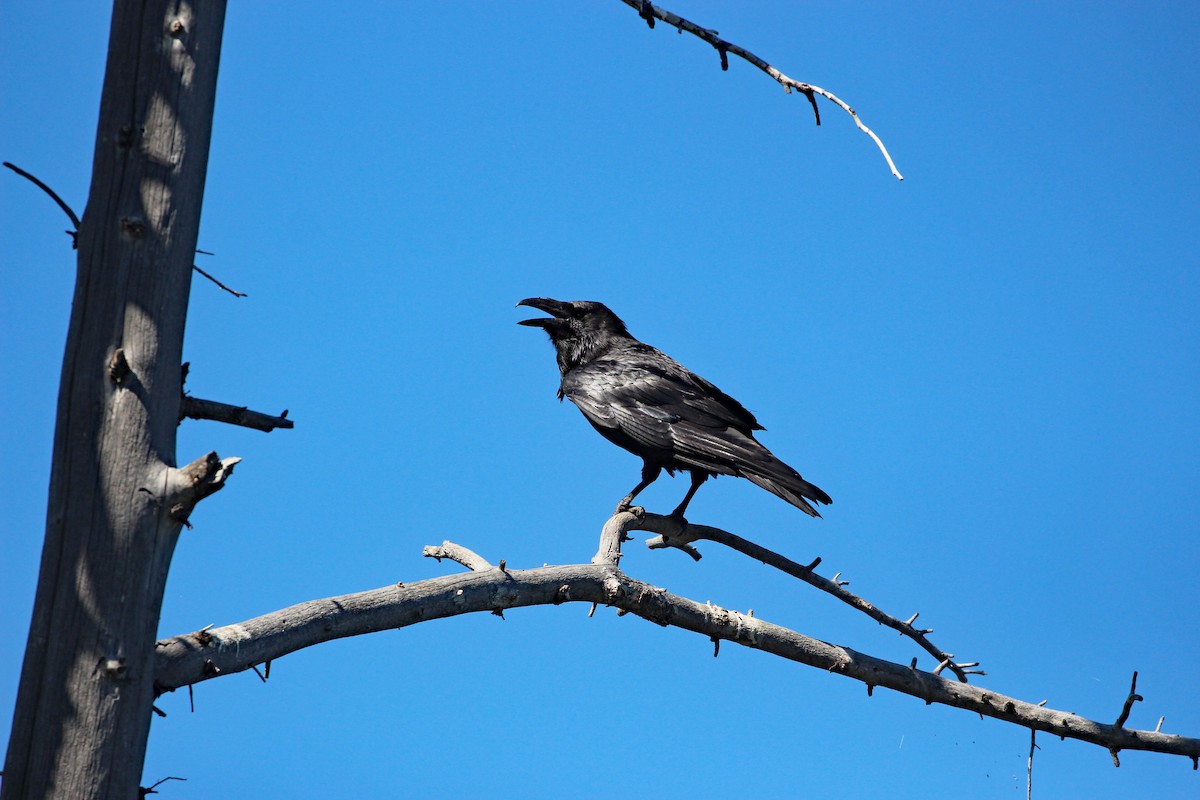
555 308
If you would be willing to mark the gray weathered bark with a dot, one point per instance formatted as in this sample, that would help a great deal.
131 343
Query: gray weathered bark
116 502
202 655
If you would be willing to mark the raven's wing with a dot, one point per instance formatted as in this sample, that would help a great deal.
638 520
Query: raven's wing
660 414
690 389
670 416
630 408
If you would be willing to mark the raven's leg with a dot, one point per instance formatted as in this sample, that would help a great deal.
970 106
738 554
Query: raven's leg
698 478
650 473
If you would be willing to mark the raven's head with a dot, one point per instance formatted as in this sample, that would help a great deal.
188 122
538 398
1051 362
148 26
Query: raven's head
578 329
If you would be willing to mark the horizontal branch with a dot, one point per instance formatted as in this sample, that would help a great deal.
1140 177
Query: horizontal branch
650 12
195 408
671 534
191 658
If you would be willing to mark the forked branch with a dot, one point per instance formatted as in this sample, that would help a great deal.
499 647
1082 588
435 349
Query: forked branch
672 534
191 658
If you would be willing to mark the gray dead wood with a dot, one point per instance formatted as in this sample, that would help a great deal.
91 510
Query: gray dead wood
650 12
671 533
195 408
116 501
191 658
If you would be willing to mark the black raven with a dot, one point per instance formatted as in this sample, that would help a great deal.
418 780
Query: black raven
646 402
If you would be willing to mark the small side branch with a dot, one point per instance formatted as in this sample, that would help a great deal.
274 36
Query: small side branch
672 534
649 12
233 292
195 408
1029 766
74 233
188 485
153 788
1133 697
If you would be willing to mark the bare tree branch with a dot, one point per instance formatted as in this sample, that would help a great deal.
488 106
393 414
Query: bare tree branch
1132 698
188 485
649 12
74 234
672 534
614 532
457 553
191 658
1029 766
195 408
153 788
233 292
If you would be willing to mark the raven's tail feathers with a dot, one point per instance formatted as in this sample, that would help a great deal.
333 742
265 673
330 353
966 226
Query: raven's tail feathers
795 490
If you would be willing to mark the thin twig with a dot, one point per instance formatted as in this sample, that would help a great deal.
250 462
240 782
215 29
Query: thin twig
74 234
152 787
649 11
233 292
53 196
672 534
1129 701
1029 769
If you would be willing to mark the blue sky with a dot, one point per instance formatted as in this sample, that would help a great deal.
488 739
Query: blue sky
992 367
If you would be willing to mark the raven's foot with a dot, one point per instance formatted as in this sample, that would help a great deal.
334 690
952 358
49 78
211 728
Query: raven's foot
624 506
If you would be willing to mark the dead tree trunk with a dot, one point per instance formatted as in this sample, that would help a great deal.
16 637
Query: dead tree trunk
116 501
